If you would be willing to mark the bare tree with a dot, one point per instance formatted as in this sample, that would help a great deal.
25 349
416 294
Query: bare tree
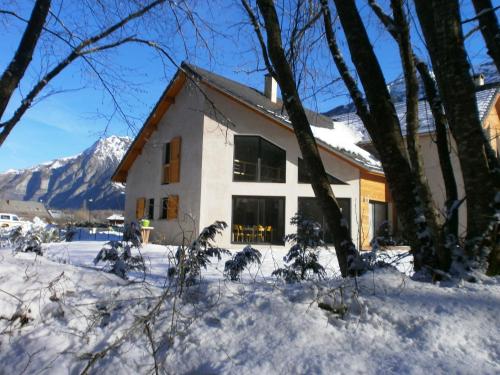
279 66
380 119
449 233
441 25
109 37
22 58
488 24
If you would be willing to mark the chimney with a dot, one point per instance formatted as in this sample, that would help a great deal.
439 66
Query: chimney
271 88
478 79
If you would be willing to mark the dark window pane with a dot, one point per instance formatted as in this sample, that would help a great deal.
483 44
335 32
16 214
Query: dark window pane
164 206
380 214
310 208
258 219
305 176
256 159
246 150
167 153
272 162
151 209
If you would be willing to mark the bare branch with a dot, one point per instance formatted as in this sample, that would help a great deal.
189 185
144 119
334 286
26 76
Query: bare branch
260 37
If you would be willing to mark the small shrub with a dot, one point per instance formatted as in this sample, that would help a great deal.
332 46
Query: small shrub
235 266
302 258
190 259
31 241
70 233
119 256
26 242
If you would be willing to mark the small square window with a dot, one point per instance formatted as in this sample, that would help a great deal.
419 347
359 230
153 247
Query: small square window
151 209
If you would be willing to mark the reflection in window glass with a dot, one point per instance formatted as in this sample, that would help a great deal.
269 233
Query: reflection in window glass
380 214
305 176
256 159
258 219
309 208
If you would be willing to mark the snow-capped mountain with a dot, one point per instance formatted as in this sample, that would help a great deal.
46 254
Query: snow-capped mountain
68 182
397 88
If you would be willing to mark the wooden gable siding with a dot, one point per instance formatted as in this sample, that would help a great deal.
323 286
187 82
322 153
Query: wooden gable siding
372 187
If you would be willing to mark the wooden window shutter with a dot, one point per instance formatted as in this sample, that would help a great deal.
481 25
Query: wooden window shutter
175 160
139 208
172 207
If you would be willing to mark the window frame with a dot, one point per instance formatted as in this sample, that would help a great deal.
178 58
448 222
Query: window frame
372 218
151 209
259 158
349 199
330 176
280 197
164 208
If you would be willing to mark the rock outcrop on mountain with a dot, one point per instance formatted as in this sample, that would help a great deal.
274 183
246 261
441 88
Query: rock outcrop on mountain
70 183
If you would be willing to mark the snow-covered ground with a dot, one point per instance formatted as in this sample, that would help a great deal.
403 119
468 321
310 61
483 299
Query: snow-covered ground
76 317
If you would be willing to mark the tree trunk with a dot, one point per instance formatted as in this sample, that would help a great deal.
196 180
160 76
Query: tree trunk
346 252
488 23
441 26
412 134
449 233
385 132
22 58
444 152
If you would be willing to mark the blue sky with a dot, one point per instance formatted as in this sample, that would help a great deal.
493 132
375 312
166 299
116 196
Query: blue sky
64 124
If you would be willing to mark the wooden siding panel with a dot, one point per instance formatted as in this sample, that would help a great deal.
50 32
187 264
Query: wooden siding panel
371 188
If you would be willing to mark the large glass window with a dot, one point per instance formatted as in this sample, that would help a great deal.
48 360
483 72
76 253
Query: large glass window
258 219
256 159
305 175
311 209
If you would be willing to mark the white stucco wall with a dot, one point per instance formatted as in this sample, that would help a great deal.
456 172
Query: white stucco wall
435 177
184 118
217 186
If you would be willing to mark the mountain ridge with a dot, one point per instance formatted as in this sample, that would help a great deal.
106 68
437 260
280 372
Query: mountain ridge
66 183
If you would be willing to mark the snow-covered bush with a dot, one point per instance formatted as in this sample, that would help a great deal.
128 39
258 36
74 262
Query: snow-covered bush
235 266
69 233
118 254
190 259
31 240
302 258
26 242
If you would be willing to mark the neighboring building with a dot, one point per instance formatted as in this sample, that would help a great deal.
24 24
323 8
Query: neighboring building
214 149
116 220
488 103
26 210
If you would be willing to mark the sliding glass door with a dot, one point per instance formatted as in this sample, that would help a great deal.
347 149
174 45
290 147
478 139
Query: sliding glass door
258 219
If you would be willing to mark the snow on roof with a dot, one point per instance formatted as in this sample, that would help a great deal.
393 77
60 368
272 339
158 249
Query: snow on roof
343 137
115 217
484 99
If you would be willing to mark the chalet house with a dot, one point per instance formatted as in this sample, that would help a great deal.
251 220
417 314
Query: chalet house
488 104
214 149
